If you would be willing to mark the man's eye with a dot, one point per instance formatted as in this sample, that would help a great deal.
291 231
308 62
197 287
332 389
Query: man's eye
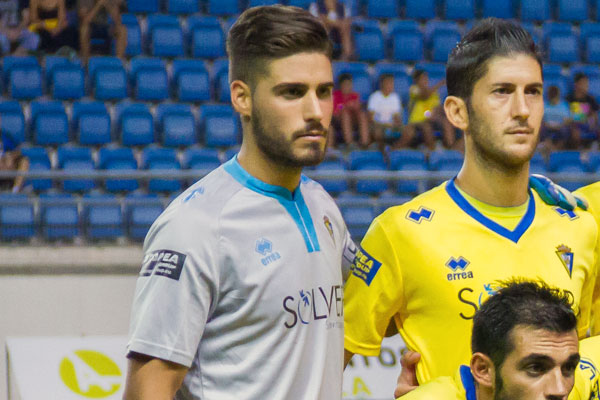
502 91
324 93
535 92
293 92
535 369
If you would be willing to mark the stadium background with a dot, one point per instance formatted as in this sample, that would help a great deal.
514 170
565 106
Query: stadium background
112 143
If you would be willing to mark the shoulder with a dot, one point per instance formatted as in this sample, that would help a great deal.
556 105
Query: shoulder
440 388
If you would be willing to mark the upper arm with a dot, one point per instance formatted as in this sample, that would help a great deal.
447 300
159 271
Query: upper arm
152 378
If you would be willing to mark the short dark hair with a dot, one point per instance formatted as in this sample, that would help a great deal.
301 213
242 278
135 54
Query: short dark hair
553 91
579 76
417 74
491 37
524 303
385 76
265 33
343 77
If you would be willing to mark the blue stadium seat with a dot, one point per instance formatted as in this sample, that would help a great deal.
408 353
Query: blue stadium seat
407 40
333 186
499 9
59 216
368 40
136 124
24 77
300 3
533 30
593 164
165 36
590 39
52 62
256 3
134 35
102 217
207 39
408 160
441 38
38 161
358 213
420 9
108 78
220 125
561 41
382 8
191 80
445 160
367 160
567 162
224 7
361 79
49 123
17 219
535 10
402 80
161 158
141 210
537 165
459 9
182 6
67 82
387 200
220 80
201 158
91 122
149 79
177 125
118 159
553 76
76 159
12 122
573 10
143 6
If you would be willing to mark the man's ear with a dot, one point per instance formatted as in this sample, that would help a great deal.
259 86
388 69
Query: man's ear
457 112
483 370
241 98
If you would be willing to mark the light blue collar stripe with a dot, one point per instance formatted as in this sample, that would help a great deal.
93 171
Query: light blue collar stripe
514 235
468 382
293 202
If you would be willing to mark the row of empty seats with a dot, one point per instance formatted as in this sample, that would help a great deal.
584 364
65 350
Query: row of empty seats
123 160
527 10
49 123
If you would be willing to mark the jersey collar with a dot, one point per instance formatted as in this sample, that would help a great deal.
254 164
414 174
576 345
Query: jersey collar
513 235
468 382
293 202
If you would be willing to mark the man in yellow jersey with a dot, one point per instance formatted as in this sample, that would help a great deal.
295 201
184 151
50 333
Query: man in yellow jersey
428 264
524 347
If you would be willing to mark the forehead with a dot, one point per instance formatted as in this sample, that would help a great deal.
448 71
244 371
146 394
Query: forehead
518 69
558 346
308 68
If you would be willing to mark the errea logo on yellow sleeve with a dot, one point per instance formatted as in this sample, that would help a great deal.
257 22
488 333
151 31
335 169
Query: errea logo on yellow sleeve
90 374
365 266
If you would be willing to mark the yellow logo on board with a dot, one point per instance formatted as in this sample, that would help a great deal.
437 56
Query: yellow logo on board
90 373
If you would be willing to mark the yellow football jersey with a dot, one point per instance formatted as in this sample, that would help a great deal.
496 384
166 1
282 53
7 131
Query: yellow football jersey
462 386
592 195
429 264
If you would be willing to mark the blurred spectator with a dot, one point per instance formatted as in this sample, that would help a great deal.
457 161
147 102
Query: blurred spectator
584 112
426 113
94 23
556 126
15 38
336 17
48 18
385 111
11 159
348 113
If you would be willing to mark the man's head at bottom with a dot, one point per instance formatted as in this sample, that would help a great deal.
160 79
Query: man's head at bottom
525 344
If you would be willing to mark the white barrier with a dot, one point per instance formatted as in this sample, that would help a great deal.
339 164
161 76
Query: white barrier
66 368
374 378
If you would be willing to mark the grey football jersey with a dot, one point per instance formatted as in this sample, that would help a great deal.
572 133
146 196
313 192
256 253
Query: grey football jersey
242 283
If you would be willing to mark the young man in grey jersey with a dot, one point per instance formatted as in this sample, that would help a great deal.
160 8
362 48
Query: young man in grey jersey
240 292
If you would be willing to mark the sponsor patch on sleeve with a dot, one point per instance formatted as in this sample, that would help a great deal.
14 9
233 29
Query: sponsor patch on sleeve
167 263
365 266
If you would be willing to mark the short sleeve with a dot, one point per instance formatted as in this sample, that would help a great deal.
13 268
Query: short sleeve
371 103
175 290
373 293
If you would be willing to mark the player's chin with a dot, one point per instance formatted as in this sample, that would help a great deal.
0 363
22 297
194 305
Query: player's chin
309 157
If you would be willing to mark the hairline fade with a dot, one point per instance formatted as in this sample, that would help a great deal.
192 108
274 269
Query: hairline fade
266 33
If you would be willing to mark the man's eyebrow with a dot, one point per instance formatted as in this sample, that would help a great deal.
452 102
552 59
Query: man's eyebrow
545 359
510 84
300 85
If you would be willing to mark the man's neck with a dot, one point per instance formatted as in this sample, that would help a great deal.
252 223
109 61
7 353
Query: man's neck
494 186
268 171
